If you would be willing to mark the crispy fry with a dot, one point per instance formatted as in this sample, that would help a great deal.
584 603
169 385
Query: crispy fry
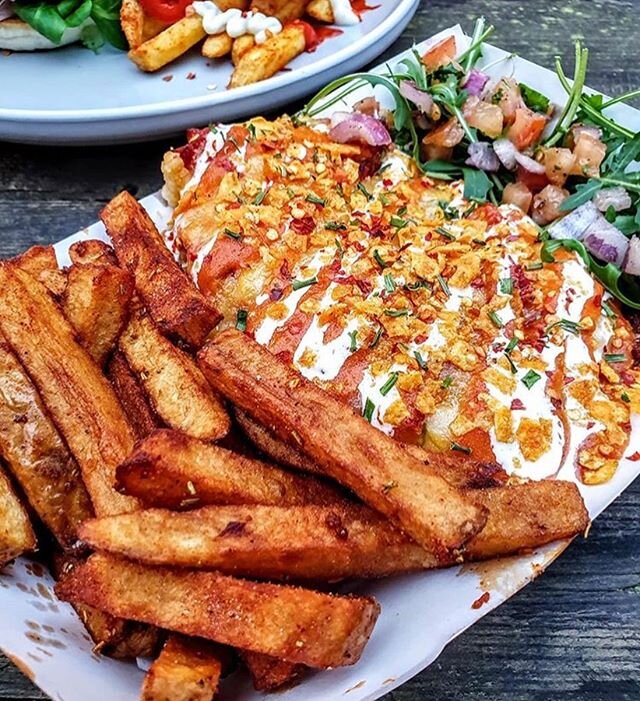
173 382
217 46
37 457
294 624
176 176
41 263
111 636
321 11
347 448
265 60
233 4
172 471
96 303
78 397
326 543
141 416
240 47
172 42
137 25
187 669
284 10
270 673
16 534
92 251
173 301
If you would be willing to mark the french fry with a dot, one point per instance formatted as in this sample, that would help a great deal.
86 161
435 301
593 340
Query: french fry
298 625
187 669
217 46
327 543
321 11
141 416
137 25
41 263
111 636
284 10
270 673
171 43
377 468
76 394
16 534
173 382
232 4
173 301
265 60
37 457
96 303
240 47
172 471
92 251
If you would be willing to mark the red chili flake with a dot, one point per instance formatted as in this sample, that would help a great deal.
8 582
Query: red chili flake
191 76
284 269
233 205
481 601
360 247
275 294
387 182
233 528
590 425
627 377
285 356
376 229
370 165
635 457
303 226
517 405
167 78
335 525
420 339
364 286
568 380
597 300
477 283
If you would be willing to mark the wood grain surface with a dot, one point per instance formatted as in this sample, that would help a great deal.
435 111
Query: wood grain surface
574 634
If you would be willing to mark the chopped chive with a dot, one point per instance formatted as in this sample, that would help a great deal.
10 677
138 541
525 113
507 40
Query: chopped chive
534 266
314 199
615 357
378 258
443 285
389 283
334 226
369 408
398 222
512 365
506 286
443 232
608 311
511 345
353 346
460 448
402 211
388 385
376 338
364 191
241 319
496 320
530 379
290 192
625 397
420 360
340 191
252 130
384 199
235 143
232 234
397 312
567 325
339 245
447 382
479 242
299 284
413 286
259 198
448 211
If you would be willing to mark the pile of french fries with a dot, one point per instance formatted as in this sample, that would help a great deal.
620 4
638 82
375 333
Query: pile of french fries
197 488
154 44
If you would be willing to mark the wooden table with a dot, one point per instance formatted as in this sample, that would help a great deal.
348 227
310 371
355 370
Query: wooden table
574 634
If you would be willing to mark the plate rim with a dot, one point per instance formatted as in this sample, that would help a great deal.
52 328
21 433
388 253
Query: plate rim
213 99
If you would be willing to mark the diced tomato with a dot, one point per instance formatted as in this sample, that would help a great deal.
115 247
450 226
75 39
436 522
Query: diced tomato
546 203
226 258
483 116
517 194
533 181
527 128
440 55
558 163
165 10
488 213
508 98
589 153
447 135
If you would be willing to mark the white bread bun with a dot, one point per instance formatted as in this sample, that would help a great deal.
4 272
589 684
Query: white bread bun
16 35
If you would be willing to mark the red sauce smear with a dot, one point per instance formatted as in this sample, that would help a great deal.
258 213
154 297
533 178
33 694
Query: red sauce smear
315 34
360 7
481 600
635 457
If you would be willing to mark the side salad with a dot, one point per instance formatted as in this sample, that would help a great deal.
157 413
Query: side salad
571 168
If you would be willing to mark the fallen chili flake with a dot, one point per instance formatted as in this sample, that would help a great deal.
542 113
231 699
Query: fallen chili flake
167 78
517 405
191 76
635 457
481 601
303 226
233 528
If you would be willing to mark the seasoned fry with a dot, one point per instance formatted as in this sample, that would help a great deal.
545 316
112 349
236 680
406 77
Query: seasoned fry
173 382
78 397
294 624
321 11
37 457
96 303
233 4
165 47
187 669
16 534
284 10
240 47
349 449
92 251
137 25
173 301
172 471
270 673
265 60
141 416
217 46
111 636
326 543
41 263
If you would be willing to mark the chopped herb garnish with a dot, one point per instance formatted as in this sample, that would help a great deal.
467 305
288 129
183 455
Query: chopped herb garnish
241 319
369 408
479 242
340 191
402 211
235 143
389 283
398 222
534 266
530 379
534 99
334 226
384 199
339 245
443 232
252 130
625 397
388 385
511 345
420 360
608 311
615 357
495 319
378 258
506 286
566 324
364 191
259 198
314 199
353 346
299 284
512 365
232 234
376 338
460 448
443 285
397 312
447 382
386 488
448 211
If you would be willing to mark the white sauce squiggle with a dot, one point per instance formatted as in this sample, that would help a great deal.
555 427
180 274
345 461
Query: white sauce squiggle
235 22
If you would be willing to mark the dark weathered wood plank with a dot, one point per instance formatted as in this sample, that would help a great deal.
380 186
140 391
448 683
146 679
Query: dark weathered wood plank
574 634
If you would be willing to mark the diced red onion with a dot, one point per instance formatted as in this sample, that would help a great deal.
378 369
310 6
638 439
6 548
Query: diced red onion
422 100
482 156
6 9
632 261
529 164
506 152
616 197
605 241
362 128
575 223
475 82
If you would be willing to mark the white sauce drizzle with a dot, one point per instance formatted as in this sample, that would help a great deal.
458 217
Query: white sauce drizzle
343 13
235 22
369 388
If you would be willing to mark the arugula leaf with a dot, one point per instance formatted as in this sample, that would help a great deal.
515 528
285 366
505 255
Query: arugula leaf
80 15
476 184
584 193
44 18
106 15
533 99
92 38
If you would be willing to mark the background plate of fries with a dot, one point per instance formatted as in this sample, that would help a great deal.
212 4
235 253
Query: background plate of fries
76 97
